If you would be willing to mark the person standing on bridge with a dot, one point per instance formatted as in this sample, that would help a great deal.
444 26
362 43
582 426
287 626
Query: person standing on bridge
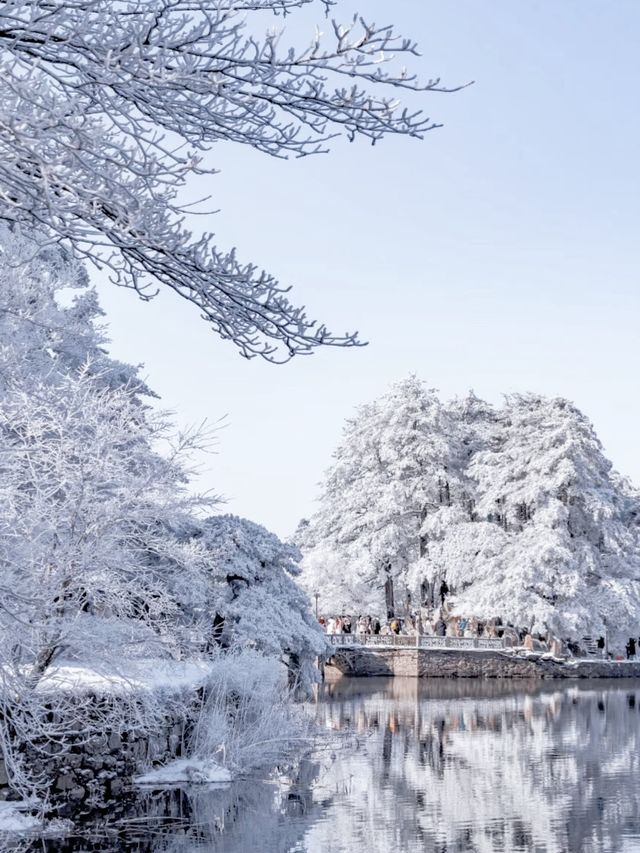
631 649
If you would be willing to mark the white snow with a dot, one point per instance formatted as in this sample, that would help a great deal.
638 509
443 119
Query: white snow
182 770
12 819
133 675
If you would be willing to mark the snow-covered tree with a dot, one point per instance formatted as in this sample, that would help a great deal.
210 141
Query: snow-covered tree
84 492
109 108
52 340
558 545
339 583
468 426
89 568
252 598
392 470
534 527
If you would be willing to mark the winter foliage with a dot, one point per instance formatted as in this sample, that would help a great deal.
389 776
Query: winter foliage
108 563
86 497
516 508
109 109
252 587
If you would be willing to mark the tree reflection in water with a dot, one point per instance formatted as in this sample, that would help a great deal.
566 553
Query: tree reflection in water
485 766
246 816
422 765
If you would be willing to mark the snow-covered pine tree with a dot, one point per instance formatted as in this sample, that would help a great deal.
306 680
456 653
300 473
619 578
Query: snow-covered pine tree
252 599
520 514
561 552
391 470
470 424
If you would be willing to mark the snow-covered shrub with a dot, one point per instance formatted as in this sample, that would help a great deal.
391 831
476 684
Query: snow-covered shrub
247 720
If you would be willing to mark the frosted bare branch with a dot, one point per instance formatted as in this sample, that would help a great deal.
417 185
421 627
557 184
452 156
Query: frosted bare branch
108 109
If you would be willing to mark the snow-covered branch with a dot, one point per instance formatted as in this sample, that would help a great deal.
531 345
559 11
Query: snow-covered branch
109 107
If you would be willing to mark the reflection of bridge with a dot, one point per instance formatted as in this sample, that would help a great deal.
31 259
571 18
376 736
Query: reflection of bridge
421 641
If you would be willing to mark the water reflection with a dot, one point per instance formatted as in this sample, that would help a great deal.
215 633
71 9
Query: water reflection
248 816
417 765
485 766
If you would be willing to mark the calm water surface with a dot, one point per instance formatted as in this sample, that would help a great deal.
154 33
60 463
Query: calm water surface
417 765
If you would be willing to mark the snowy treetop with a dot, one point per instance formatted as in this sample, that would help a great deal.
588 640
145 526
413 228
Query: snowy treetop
515 507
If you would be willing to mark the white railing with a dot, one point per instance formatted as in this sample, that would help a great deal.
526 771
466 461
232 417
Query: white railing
422 642
372 640
490 643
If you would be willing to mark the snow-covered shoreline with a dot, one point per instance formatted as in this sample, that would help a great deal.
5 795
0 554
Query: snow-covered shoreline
185 770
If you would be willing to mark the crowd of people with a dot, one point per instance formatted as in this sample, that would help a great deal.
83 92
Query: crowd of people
349 625
441 624
435 619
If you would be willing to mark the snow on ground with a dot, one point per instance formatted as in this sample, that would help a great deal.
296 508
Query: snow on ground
131 675
13 820
186 770
16 818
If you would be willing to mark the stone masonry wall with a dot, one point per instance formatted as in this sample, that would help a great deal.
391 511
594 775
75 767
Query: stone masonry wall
91 774
430 663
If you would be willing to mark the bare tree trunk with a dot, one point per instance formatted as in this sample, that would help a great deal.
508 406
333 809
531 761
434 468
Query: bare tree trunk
389 597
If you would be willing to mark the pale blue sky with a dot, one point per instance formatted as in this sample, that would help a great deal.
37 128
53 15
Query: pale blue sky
499 254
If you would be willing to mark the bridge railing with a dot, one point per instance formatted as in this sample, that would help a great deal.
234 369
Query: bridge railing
423 641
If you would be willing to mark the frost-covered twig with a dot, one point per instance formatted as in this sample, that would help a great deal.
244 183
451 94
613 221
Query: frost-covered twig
109 107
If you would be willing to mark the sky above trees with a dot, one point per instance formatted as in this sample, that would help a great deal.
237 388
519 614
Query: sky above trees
498 254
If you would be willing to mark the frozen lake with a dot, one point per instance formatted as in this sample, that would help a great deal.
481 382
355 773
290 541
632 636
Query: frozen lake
419 765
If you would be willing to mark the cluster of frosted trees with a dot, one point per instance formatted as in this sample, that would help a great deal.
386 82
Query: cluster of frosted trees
106 557
109 112
515 508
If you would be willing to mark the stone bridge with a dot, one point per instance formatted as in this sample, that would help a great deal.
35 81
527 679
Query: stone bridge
459 657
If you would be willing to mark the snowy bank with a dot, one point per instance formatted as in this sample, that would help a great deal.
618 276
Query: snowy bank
14 820
142 674
195 771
